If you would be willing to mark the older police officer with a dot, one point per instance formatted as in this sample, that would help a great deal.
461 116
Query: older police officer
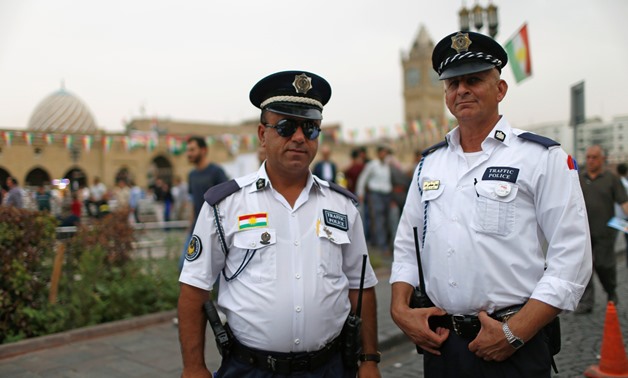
484 201
288 249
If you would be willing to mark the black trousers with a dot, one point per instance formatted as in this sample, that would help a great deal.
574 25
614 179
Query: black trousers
456 361
231 367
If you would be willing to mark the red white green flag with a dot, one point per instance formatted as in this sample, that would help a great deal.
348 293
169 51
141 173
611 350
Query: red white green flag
518 49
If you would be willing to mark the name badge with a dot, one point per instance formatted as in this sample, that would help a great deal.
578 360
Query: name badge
431 185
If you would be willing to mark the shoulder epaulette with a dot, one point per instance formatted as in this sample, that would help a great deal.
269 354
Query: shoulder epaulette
433 148
221 191
544 141
347 193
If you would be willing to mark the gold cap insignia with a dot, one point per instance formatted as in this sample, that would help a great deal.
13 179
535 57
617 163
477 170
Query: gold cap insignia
302 83
460 42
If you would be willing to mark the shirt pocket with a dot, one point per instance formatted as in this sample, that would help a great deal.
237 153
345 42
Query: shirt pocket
437 208
330 252
495 207
261 244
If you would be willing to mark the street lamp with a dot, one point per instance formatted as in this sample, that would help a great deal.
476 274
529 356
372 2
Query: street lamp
477 15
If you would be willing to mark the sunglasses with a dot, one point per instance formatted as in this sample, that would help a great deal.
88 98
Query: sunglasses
287 127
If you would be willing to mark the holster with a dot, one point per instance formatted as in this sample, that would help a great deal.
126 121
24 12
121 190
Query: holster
351 341
419 300
552 334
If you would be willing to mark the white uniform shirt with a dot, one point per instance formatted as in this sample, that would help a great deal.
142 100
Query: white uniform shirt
293 294
487 223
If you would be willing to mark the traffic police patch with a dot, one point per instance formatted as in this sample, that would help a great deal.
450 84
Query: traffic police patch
194 248
336 220
501 174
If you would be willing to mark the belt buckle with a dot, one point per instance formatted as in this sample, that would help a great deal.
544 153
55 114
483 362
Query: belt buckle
507 315
454 321
270 361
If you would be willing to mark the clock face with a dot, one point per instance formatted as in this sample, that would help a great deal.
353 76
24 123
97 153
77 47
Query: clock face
434 78
412 77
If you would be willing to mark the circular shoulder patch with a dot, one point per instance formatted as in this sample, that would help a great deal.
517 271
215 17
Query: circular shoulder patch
194 248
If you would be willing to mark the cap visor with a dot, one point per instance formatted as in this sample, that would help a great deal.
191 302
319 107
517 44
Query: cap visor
297 110
465 69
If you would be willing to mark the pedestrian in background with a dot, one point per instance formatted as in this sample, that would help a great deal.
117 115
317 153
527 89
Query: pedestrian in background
375 186
601 190
483 202
288 249
14 195
204 176
622 171
325 168
43 198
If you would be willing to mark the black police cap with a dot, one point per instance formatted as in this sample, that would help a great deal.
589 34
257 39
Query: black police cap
296 93
462 53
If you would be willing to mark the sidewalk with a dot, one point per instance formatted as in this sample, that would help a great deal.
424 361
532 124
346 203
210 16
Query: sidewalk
140 347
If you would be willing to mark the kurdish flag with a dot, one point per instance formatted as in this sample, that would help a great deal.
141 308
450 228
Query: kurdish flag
252 220
518 48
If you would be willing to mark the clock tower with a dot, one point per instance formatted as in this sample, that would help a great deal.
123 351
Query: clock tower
423 93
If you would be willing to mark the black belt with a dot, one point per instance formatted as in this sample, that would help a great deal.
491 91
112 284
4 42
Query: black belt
285 363
468 326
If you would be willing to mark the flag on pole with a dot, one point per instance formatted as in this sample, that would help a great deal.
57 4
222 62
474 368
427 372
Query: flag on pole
518 49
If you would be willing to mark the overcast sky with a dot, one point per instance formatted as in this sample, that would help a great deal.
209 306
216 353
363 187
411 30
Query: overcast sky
197 60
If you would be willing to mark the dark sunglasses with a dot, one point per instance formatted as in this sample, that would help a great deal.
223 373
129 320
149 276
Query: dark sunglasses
287 127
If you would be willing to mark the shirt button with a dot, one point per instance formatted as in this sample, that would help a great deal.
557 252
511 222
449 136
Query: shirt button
293 215
453 283
296 242
297 341
297 276
298 309
253 244
454 218
450 252
459 187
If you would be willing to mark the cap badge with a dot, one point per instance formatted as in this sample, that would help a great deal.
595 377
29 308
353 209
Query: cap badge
302 83
460 42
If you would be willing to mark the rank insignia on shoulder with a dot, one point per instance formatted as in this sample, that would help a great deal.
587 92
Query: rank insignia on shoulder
260 183
194 248
336 220
431 185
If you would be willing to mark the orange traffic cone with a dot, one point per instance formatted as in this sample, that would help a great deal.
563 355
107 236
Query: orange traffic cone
613 362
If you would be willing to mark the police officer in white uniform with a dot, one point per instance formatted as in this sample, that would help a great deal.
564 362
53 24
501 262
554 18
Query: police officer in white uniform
484 203
287 248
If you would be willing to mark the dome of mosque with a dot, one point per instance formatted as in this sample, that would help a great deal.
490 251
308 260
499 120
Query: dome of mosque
62 112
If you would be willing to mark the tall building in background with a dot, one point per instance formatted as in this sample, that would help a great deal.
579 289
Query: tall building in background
422 91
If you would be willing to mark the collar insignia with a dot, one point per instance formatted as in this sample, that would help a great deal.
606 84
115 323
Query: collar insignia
460 42
302 83
500 135
260 183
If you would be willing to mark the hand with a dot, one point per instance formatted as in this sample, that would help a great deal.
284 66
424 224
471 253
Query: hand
414 323
368 369
490 343
196 373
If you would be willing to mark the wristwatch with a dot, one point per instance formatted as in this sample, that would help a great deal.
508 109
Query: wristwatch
371 357
512 339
